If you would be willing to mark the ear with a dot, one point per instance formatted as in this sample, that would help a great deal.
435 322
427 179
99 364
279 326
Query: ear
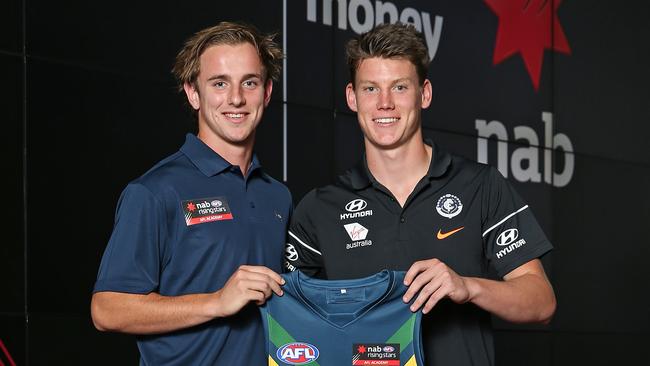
427 94
192 95
350 97
268 88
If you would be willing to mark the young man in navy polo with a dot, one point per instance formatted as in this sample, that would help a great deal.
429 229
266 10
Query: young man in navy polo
409 205
198 239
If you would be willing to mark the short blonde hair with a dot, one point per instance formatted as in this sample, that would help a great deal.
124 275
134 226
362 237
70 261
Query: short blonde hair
187 66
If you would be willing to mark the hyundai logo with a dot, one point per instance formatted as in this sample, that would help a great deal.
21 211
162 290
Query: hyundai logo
291 253
507 237
356 205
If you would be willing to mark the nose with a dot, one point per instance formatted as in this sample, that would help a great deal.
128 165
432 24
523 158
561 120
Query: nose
236 96
385 100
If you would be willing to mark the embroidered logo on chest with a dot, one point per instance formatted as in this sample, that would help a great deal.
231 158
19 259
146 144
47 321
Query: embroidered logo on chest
449 206
376 354
202 210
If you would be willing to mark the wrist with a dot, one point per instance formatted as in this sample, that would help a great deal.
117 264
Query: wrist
213 306
474 288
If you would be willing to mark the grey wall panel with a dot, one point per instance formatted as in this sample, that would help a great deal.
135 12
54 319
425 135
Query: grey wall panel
467 85
602 97
11 26
269 140
58 339
600 349
310 149
310 60
12 335
601 225
523 348
133 39
88 139
348 144
12 249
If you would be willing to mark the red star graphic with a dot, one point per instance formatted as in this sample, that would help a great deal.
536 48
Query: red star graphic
525 27
361 349
191 207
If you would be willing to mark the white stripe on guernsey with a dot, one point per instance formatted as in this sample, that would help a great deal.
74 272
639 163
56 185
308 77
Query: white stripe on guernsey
303 244
502 221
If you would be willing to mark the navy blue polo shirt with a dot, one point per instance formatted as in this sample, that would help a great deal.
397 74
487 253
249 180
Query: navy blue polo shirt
183 228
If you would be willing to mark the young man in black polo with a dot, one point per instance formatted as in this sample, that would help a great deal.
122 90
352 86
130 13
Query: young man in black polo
411 206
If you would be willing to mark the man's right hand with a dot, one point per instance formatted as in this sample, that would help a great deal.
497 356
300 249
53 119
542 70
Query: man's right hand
248 283
153 313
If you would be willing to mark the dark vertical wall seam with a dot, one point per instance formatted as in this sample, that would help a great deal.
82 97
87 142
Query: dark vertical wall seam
25 259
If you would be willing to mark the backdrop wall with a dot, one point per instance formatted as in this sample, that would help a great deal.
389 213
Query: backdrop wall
552 93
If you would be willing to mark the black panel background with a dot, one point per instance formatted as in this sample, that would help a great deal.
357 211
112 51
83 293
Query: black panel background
11 26
12 249
101 108
11 158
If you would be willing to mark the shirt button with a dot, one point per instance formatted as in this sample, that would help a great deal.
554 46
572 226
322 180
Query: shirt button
402 219
252 204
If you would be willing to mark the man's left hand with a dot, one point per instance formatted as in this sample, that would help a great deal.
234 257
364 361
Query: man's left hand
433 280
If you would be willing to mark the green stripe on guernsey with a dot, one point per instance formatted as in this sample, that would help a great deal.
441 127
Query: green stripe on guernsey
404 335
279 336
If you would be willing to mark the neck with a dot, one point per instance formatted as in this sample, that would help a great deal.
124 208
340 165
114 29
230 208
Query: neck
236 154
399 169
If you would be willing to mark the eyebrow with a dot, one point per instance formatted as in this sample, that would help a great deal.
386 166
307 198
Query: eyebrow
402 80
228 78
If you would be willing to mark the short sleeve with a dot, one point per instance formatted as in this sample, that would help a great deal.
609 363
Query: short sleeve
131 261
511 234
303 250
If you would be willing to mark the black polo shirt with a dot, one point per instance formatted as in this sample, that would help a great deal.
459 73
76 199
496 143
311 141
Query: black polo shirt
462 212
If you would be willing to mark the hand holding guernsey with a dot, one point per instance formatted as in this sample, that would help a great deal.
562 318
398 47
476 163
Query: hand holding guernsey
346 322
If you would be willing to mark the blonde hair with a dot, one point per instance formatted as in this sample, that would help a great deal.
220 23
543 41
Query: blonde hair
187 66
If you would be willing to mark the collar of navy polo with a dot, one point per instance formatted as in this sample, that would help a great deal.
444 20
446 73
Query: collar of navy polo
207 160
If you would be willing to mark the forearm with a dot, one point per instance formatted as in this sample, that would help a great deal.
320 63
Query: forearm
151 313
528 298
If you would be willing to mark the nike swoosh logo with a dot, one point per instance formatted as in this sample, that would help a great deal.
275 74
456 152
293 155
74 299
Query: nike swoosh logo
442 235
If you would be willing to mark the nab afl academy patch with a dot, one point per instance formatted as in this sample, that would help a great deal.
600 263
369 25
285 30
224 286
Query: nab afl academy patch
375 354
203 210
449 206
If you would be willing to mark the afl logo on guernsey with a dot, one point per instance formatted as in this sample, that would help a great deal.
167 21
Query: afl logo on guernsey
297 353
449 206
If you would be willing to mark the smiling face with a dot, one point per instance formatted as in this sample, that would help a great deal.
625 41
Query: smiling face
229 94
388 100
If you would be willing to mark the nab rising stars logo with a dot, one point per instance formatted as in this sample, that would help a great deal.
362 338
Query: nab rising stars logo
525 28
